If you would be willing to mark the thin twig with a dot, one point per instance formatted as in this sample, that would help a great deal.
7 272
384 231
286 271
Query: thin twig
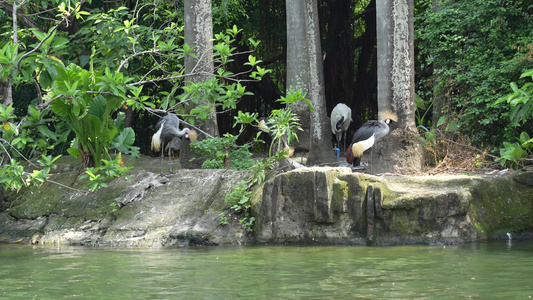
68 187
133 55
207 134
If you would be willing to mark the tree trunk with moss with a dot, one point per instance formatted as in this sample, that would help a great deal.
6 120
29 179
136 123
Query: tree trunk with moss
400 151
6 90
199 34
297 67
305 72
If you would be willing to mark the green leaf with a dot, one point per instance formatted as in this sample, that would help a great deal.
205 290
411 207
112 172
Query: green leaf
119 121
46 132
528 73
251 61
60 108
124 140
74 152
441 120
254 42
97 107
76 108
59 43
419 102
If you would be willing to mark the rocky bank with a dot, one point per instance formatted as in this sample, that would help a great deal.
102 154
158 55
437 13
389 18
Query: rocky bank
319 205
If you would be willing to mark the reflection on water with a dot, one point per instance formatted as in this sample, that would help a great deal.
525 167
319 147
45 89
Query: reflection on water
496 270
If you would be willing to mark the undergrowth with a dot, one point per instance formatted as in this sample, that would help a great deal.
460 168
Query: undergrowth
220 153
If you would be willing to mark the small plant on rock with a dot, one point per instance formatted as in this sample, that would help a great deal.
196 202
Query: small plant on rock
100 176
239 201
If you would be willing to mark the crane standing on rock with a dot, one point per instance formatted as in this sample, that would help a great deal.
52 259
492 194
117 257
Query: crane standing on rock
367 136
167 128
341 117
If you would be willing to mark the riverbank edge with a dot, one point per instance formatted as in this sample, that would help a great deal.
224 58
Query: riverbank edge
319 205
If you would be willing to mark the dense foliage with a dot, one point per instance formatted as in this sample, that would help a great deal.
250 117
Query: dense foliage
91 63
476 48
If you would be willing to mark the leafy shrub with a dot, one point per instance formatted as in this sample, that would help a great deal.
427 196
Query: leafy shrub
221 152
282 129
15 139
520 102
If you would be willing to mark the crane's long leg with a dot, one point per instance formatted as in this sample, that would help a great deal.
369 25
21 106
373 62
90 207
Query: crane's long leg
161 162
344 141
170 157
371 158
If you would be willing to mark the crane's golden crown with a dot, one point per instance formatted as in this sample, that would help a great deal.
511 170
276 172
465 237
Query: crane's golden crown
387 114
193 135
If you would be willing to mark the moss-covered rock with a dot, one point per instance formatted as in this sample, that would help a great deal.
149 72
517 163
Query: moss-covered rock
334 205
310 206
322 205
502 204
143 209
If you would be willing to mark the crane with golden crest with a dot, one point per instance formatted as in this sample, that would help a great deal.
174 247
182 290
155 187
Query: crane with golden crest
367 136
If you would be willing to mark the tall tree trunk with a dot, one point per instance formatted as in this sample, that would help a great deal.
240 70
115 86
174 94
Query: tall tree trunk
400 151
321 150
199 34
297 67
7 89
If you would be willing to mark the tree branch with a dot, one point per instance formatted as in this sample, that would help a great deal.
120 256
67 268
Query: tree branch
133 55
46 37
38 46
159 112
27 21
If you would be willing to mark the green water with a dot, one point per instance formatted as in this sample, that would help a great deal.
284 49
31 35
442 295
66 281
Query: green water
496 270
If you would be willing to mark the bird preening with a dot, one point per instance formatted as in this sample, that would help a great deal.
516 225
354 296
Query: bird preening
263 126
367 136
166 129
341 117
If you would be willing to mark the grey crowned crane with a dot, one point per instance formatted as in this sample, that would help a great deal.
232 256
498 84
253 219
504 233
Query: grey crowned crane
166 129
341 117
367 136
